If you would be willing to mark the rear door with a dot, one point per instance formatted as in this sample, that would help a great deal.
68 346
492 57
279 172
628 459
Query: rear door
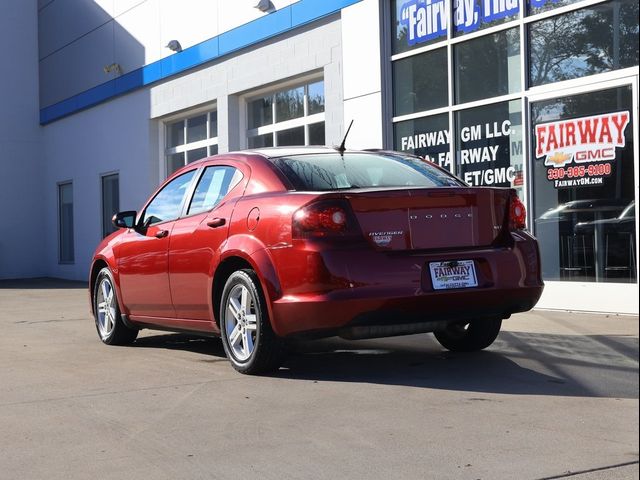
196 239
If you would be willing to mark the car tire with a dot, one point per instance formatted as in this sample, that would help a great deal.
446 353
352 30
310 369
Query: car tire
106 311
469 337
248 339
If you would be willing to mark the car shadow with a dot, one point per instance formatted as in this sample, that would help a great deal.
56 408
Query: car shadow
208 346
518 363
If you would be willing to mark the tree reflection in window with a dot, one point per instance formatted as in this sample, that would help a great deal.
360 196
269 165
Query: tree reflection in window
584 42
289 104
336 172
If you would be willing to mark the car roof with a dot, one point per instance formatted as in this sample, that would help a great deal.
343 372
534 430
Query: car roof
278 152
275 152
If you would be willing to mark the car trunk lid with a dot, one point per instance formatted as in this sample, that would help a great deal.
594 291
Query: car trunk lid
430 218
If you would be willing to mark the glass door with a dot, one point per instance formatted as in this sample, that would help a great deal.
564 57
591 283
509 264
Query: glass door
583 174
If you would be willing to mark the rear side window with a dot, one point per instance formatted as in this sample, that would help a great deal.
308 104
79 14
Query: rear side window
331 171
214 184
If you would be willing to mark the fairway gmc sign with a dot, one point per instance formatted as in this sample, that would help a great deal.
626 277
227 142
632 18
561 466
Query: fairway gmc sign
581 140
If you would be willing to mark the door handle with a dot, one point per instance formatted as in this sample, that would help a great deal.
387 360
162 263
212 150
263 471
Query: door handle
216 222
162 233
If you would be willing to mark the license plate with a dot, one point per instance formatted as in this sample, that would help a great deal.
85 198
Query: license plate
460 274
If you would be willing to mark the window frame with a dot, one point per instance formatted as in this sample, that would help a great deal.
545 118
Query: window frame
61 261
199 175
106 222
274 127
187 195
209 143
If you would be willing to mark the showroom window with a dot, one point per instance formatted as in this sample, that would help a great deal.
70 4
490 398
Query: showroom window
294 116
110 202
489 145
191 139
420 82
65 223
584 42
584 195
425 136
488 66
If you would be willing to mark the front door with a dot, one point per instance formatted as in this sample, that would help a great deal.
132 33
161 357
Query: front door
143 257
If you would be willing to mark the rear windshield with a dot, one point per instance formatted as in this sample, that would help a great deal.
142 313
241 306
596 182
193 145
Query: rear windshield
361 170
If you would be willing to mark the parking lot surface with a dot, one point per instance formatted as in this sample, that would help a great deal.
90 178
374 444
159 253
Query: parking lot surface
555 397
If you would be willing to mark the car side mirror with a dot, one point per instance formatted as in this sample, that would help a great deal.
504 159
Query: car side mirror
125 219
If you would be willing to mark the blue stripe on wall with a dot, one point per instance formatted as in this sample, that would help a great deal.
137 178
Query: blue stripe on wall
275 23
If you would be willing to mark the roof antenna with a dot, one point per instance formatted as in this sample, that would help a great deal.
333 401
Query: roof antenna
342 147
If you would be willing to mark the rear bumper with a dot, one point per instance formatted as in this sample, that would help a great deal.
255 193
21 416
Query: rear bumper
341 290
326 316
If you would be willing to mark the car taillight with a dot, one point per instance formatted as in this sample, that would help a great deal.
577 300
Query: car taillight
517 213
324 219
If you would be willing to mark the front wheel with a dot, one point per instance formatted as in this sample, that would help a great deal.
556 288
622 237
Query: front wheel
106 311
249 342
469 337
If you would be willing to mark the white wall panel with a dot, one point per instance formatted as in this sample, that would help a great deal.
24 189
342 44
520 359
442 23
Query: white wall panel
122 6
77 67
137 36
22 234
190 22
362 74
367 121
64 21
232 13
361 49
578 296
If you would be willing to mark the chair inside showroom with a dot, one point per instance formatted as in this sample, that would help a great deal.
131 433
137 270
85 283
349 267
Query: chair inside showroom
620 256
576 256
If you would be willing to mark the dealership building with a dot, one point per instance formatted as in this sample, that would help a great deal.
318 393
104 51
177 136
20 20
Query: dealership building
101 100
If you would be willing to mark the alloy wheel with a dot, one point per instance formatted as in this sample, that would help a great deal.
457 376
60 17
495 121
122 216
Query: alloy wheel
241 319
106 308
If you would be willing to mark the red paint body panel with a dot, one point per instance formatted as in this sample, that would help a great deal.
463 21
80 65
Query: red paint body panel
318 284
142 265
193 256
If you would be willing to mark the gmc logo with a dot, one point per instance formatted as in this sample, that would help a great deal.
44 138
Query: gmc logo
594 155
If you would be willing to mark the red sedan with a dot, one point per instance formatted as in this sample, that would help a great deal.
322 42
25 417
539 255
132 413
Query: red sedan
265 245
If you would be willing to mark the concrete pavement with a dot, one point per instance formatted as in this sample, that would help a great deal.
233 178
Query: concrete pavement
555 397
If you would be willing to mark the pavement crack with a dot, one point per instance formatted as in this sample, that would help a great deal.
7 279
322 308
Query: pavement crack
591 470
117 392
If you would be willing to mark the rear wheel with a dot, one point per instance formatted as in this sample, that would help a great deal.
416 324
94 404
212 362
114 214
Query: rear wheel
249 342
106 311
469 337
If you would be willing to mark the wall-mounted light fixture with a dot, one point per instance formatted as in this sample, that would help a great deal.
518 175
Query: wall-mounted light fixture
265 6
174 45
113 68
